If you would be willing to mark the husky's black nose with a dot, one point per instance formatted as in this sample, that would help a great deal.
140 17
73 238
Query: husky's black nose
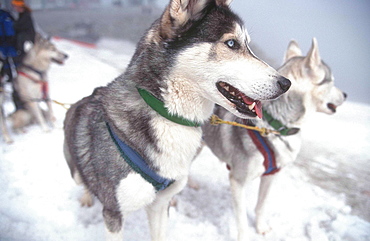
284 83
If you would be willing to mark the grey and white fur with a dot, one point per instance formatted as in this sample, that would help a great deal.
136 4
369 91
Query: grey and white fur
312 91
32 74
32 86
193 52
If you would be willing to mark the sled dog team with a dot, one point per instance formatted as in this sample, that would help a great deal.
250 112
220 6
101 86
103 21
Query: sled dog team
131 143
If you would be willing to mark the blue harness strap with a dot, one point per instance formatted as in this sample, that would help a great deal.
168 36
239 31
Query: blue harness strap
268 154
138 164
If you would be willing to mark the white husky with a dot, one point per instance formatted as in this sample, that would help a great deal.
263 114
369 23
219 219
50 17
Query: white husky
250 155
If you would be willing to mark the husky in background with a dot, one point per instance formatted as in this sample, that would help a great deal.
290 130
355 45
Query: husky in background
32 84
312 91
131 143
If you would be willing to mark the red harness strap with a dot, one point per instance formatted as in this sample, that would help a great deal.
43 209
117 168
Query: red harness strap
45 90
44 84
268 153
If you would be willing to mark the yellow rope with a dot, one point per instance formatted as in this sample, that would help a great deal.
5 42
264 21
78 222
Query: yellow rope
215 120
64 105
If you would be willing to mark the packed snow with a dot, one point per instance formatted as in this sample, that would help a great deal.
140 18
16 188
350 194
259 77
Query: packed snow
323 196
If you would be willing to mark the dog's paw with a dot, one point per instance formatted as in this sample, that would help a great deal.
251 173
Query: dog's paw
9 140
262 227
87 199
19 131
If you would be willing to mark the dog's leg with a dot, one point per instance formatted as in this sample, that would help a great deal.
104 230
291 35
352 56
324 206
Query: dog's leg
87 198
239 202
158 216
114 224
158 210
264 191
4 128
50 113
37 113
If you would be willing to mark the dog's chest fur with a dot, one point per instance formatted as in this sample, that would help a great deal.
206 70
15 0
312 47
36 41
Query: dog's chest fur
177 147
167 147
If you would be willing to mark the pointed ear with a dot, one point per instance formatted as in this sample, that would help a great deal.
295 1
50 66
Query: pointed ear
292 51
178 13
223 2
313 58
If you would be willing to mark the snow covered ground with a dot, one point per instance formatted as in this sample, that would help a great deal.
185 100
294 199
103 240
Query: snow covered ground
323 196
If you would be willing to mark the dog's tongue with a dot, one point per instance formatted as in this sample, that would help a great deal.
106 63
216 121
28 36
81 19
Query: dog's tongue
257 107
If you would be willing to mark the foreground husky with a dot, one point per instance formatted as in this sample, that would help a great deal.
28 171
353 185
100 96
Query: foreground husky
32 84
312 90
131 143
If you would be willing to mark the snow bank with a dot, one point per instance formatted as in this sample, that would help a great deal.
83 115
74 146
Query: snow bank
39 200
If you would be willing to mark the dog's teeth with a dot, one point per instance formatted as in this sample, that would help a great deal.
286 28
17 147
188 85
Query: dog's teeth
227 88
251 106
232 93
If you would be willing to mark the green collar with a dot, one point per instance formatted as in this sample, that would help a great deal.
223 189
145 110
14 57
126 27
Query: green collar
159 107
277 125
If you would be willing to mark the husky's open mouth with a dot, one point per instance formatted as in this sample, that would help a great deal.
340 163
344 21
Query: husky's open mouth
61 62
243 103
332 107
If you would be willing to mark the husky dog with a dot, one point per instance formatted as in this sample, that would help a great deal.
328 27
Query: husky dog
32 82
312 90
131 143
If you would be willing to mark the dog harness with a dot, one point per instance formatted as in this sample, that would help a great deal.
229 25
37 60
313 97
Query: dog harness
40 73
258 137
268 154
159 107
278 126
133 159
262 143
44 84
138 164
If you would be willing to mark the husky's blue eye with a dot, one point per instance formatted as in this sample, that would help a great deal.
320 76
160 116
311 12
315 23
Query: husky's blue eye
231 43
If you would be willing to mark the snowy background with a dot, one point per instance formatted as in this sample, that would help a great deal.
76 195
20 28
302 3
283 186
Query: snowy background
325 195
